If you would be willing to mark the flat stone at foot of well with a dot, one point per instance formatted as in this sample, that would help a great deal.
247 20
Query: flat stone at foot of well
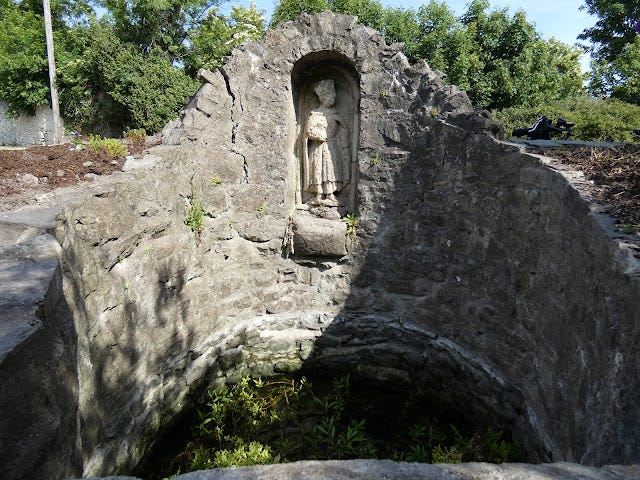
112 478
389 470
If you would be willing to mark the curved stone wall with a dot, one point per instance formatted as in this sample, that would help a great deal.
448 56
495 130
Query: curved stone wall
476 272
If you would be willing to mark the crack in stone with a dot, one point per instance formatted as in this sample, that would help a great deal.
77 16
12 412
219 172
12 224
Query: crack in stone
235 123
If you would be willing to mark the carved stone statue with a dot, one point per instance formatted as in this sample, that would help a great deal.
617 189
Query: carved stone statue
325 152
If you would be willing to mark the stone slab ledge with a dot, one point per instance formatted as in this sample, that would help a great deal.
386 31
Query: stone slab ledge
389 470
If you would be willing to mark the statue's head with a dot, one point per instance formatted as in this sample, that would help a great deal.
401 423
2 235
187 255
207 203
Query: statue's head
326 92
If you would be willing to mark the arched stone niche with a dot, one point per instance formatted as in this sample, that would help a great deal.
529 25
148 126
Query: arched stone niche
323 68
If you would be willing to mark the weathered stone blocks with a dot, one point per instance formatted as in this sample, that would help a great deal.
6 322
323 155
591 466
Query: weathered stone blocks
477 270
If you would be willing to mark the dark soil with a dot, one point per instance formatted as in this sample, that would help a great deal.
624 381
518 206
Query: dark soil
55 166
615 173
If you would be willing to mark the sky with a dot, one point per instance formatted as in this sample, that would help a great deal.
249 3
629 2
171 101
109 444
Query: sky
561 19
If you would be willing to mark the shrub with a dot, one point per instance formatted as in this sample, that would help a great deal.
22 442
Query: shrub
150 89
24 80
112 146
605 120
136 136
113 84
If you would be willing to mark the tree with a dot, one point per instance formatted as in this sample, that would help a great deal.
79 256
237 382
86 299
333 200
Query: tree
218 35
134 68
497 57
287 10
369 12
511 65
627 68
24 82
615 69
162 24
114 86
614 29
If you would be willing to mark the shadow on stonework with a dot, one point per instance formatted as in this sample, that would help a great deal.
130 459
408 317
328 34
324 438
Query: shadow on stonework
124 364
466 292
39 398
404 323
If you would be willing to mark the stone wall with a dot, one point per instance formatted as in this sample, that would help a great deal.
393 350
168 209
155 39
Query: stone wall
26 129
478 274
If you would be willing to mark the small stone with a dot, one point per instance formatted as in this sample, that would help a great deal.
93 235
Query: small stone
90 176
87 164
27 180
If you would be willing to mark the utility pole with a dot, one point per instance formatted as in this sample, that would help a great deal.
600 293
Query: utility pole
55 105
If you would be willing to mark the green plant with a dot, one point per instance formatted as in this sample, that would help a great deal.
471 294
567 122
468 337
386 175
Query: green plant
244 454
112 146
434 112
195 214
353 222
374 161
215 181
147 249
629 228
262 210
136 136
259 421
500 451
446 455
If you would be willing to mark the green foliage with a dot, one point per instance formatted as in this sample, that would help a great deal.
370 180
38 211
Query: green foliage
596 119
353 222
150 89
112 146
162 25
261 421
619 78
106 83
195 213
218 35
135 136
512 65
615 48
498 449
369 12
244 454
114 84
337 436
446 455
499 58
286 10
614 29
24 81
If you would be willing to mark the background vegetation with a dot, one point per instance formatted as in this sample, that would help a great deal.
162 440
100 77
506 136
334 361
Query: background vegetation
135 65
